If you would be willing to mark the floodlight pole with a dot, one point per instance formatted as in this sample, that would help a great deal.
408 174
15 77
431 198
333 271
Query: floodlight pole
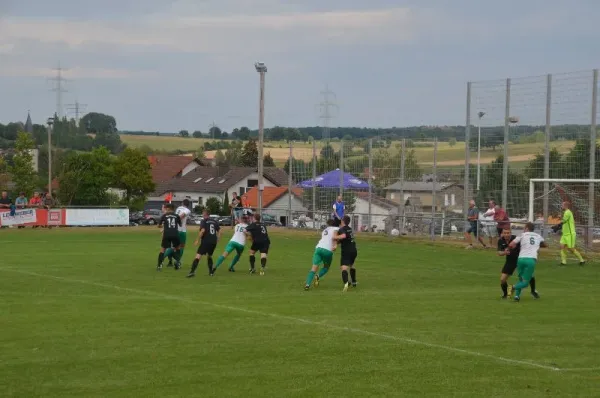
261 68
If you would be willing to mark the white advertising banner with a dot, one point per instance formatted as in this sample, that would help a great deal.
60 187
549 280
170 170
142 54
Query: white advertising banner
22 216
97 217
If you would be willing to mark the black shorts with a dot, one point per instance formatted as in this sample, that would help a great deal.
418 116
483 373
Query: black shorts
472 229
348 258
170 241
262 247
206 248
509 268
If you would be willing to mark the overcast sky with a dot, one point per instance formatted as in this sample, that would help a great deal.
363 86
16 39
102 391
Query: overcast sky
170 65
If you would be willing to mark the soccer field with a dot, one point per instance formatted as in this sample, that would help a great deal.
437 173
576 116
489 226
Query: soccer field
84 313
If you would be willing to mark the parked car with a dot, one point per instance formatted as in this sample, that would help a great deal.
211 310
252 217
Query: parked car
151 217
270 220
136 217
194 219
224 221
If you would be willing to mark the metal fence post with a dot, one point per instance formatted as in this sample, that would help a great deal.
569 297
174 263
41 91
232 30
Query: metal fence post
467 184
547 152
506 134
433 189
402 201
290 181
342 168
370 180
591 189
314 183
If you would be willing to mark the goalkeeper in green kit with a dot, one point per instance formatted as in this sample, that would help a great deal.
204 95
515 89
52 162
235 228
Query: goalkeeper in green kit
567 240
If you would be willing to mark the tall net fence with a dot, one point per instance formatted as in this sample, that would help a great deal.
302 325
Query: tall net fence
536 127
387 184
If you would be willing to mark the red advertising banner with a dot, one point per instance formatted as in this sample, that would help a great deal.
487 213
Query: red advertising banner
32 217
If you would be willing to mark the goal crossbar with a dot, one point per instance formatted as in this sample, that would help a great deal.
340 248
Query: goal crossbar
532 182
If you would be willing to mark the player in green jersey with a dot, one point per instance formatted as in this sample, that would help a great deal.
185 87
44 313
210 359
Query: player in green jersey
567 240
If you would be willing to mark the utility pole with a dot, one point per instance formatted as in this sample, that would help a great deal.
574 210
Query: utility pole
77 108
59 89
325 108
261 68
211 129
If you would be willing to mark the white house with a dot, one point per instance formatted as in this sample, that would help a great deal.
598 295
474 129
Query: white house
276 202
204 182
382 209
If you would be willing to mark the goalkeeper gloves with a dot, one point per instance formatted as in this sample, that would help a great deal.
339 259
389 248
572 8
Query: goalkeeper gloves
556 227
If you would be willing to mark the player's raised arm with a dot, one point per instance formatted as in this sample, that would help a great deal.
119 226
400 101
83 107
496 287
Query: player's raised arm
515 242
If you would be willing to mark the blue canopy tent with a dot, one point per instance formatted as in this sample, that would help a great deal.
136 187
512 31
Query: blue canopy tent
332 180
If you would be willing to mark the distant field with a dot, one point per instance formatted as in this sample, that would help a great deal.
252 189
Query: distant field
447 155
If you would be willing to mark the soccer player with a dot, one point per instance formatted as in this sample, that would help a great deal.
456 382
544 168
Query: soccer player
567 240
260 243
530 245
237 243
170 235
510 263
208 236
323 254
345 236
184 213
473 217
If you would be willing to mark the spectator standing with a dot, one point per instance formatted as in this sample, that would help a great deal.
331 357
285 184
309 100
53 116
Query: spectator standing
5 202
338 211
237 208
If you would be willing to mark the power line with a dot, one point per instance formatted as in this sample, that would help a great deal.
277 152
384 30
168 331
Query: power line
59 89
325 108
77 108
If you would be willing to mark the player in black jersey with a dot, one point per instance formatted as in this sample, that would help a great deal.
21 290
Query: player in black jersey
170 235
345 236
209 235
510 264
260 243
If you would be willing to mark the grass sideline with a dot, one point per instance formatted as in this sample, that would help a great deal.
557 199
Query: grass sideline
87 315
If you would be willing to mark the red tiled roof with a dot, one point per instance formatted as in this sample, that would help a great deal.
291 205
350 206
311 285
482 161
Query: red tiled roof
270 195
166 167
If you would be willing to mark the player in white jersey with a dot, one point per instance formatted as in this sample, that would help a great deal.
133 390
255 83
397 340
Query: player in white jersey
323 254
530 245
184 213
237 243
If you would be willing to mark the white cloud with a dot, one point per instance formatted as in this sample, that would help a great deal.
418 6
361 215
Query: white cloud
218 34
6 48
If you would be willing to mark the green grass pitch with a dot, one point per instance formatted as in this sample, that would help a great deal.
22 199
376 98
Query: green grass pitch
84 313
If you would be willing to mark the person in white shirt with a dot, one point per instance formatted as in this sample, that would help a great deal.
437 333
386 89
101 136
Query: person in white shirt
323 254
237 243
489 225
530 245
184 213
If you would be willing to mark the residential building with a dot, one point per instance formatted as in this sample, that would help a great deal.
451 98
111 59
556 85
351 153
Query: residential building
449 195
205 182
383 211
276 202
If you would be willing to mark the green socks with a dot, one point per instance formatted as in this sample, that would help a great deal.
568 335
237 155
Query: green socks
563 256
578 255
235 260
323 271
310 277
219 261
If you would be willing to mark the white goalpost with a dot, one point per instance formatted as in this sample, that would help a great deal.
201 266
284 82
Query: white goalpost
580 192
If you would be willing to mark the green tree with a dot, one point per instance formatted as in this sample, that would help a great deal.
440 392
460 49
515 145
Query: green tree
249 155
213 205
452 142
23 175
184 133
200 154
3 174
86 177
197 134
94 122
327 152
133 174
220 159
225 211
214 132
268 160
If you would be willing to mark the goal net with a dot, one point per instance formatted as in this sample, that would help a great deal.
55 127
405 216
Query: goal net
545 209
